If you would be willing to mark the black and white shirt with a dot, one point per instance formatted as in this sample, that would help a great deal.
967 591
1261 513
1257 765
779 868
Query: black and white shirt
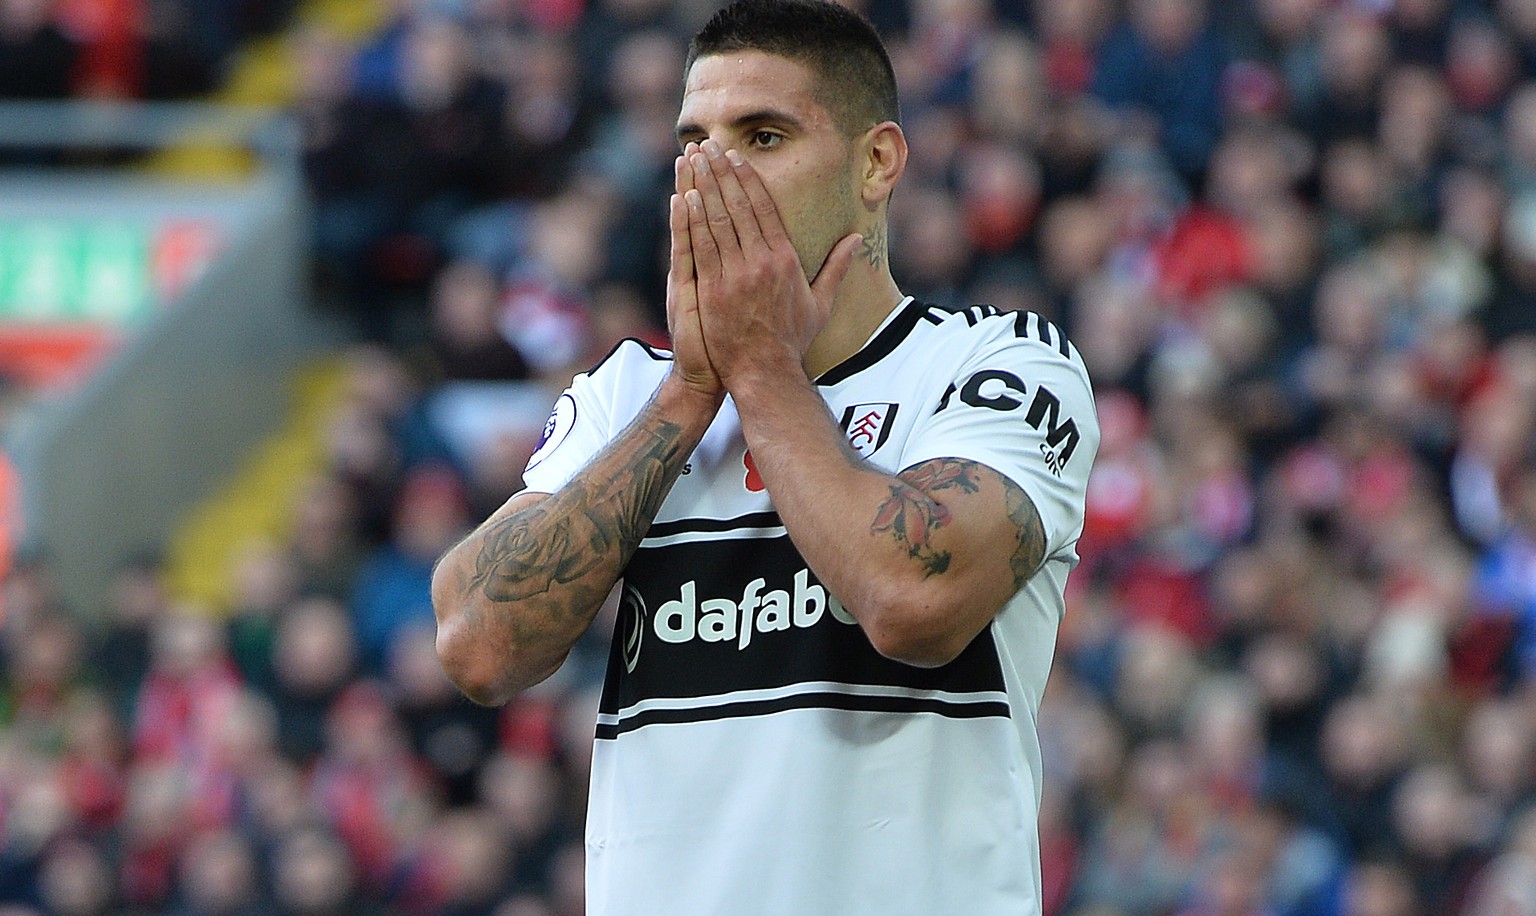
754 754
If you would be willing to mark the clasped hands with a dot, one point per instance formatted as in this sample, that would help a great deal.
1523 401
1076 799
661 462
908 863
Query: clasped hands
738 301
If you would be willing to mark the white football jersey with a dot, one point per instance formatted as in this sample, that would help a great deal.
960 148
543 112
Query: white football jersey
754 753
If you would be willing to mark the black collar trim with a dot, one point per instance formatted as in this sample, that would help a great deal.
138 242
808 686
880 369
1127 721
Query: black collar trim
891 336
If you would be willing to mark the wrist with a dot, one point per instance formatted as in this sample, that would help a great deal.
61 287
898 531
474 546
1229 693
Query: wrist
766 389
688 403
763 372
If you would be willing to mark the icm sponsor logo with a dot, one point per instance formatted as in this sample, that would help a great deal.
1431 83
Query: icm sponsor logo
688 617
995 389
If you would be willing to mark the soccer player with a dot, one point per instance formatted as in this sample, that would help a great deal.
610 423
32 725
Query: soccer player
842 520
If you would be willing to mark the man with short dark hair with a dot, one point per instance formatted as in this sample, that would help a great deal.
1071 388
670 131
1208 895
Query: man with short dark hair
842 520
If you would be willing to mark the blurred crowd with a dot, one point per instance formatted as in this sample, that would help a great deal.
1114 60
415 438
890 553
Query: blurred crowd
1295 242
153 50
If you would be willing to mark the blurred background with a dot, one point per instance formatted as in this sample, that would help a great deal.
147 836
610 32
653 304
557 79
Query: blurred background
287 287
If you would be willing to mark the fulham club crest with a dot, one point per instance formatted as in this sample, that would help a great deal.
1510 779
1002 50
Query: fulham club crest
868 426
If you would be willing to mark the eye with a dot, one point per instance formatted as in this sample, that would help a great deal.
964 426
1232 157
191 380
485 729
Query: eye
766 139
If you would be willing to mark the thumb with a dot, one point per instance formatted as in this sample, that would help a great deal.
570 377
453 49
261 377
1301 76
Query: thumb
835 268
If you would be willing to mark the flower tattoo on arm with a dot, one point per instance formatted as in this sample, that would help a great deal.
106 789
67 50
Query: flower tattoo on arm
912 517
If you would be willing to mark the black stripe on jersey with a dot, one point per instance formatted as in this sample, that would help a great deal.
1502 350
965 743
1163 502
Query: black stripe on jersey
879 348
1027 325
1033 326
685 579
660 356
946 311
1061 340
973 709
973 314
693 525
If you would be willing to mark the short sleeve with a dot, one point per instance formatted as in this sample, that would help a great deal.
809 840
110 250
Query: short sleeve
589 413
1027 413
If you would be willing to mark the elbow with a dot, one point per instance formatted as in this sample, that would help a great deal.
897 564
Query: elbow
463 655
918 630
917 650
469 666
486 663
485 670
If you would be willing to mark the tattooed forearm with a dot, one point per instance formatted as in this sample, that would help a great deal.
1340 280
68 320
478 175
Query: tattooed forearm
513 597
1030 549
588 523
526 553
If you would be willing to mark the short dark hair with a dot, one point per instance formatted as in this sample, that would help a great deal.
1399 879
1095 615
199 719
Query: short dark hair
855 80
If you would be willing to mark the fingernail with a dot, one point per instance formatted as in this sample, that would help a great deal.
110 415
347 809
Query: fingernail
693 198
699 162
712 148
734 157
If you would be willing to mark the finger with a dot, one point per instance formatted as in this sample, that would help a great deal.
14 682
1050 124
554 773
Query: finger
719 218
682 168
706 253
835 268
769 224
737 203
681 266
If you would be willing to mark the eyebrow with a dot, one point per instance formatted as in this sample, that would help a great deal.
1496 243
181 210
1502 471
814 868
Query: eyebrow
748 120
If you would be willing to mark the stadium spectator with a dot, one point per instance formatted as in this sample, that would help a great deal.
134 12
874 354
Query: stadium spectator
37 58
1160 72
1294 240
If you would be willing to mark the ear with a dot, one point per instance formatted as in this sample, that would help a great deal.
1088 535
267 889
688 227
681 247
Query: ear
883 159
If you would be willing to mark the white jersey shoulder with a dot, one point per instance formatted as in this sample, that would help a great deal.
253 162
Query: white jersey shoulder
596 406
1008 390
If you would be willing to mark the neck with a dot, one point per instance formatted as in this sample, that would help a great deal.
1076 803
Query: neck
866 296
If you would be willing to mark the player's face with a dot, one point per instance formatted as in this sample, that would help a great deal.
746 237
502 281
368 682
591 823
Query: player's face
765 107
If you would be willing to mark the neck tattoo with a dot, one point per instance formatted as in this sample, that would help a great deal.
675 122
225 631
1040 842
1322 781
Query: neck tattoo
872 248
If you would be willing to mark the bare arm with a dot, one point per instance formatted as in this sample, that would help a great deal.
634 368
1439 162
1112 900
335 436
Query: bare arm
513 597
923 560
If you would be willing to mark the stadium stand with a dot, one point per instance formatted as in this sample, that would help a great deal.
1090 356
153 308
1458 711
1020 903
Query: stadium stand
1294 240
